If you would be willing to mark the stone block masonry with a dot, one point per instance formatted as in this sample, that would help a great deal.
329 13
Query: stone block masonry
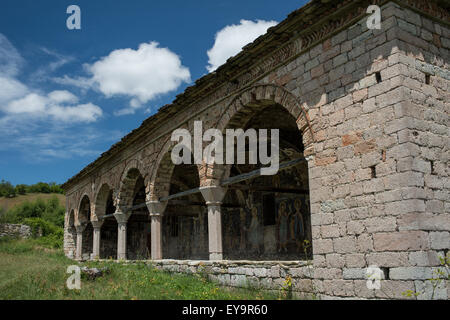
369 112
15 230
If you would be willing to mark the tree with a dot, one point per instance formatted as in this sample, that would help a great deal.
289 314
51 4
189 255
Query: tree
7 189
21 189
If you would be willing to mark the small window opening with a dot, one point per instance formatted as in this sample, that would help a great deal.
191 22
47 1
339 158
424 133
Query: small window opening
386 273
378 76
373 172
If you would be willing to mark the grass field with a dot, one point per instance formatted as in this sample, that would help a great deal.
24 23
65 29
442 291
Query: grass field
28 271
7 203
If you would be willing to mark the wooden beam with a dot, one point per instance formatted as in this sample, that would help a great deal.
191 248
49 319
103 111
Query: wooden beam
106 216
257 173
187 203
201 204
180 194
268 189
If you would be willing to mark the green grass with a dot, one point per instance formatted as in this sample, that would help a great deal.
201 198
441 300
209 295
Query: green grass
8 203
28 271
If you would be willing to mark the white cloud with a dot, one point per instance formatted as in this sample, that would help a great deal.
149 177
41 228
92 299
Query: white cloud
10 59
141 75
58 105
11 89
31 103
43 72
62 96
42 125
60 59
80 82
80 113
27 139
10 63
17 99
230 40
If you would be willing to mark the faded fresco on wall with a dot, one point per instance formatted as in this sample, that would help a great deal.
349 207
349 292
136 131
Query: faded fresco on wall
185 236
108 242
270 225
266 219
246 237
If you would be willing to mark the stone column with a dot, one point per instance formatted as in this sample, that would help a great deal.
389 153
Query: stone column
213 196
156 210
122 219
79 251
96 245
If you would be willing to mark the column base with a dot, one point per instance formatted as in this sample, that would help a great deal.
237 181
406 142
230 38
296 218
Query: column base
215 256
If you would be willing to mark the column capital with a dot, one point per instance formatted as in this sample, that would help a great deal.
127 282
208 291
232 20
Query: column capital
80 227
213 195
156 208
97 224
121 217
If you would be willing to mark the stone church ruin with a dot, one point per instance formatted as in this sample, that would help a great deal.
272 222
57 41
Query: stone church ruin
363 180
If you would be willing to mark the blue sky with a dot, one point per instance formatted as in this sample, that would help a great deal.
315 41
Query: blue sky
67 95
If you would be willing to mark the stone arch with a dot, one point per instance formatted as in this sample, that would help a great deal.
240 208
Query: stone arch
101 201
84 220
71 218
84 209
71 208
259 95
132 193
183 226
133 170
246 104
159 182
104 205
266 217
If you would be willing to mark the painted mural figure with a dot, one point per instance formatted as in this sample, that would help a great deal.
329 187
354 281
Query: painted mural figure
231 236
297 225
283 218
254 230
243 229
199 229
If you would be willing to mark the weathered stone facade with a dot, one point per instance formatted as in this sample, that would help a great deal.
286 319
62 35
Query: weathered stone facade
15 230
369 111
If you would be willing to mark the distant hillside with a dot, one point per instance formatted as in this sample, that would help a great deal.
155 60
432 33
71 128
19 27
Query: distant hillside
7 203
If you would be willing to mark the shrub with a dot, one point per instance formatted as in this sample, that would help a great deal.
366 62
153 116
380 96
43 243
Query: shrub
44 217
50 210
40 225
51 241
7 189
42 187
21 189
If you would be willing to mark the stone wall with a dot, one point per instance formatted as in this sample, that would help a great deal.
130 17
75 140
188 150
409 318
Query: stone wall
266 275
15 230
376 141
421 199
70 239
372 192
